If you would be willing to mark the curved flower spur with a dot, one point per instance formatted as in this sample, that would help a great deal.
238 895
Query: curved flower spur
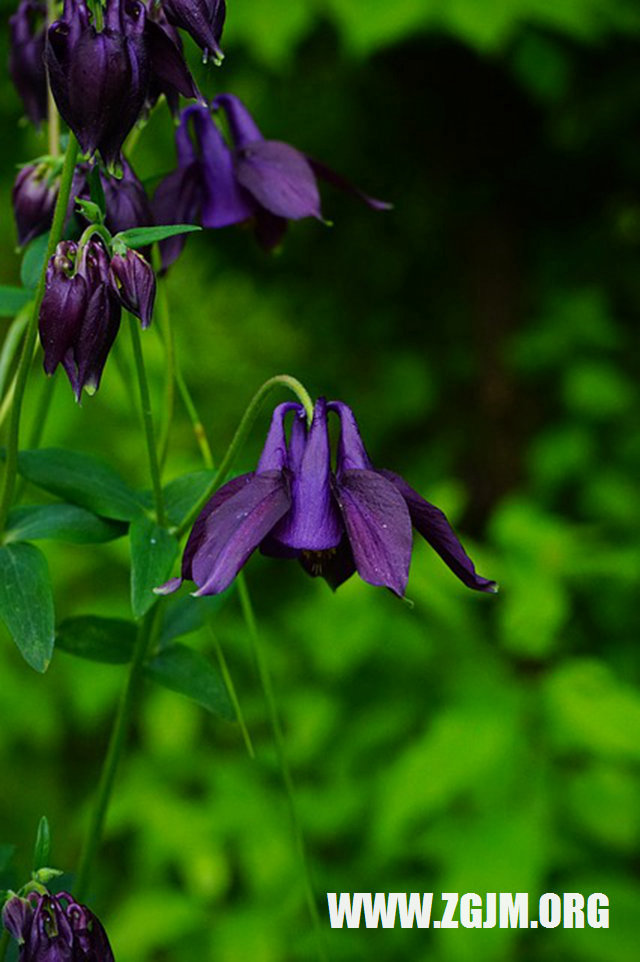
294 505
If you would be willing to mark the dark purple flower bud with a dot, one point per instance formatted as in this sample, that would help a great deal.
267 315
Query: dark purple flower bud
203 19
99 79
55 928
26 64
17 915
80 313
136 282
294 505
34 195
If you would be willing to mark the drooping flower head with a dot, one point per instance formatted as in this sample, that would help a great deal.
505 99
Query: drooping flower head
26 64
55 928
101 79
217 184
80 313
335 522
202 19
34 195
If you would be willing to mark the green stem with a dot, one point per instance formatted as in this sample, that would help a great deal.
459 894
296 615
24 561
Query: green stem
278 738
147 418
30 336
166 333
10 348
231 689
248 419
117 741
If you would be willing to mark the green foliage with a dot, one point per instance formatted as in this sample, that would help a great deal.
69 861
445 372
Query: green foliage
12 299
108 640
153 551
64 522
26 602
186 671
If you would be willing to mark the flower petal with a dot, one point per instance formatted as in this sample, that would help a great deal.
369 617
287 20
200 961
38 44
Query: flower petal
378 526
314 522
337 180
432 524
275 455
279 177
243 127
352 454
236 528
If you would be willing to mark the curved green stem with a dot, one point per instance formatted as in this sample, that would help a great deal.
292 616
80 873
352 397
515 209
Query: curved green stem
30 337
278 738
117 741
147 418
248 419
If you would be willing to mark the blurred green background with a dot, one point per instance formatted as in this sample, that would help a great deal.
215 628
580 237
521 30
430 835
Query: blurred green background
486 334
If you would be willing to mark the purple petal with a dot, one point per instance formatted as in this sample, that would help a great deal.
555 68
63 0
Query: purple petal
335 565
314 522
279 177
337 180
352 453
199 530
236 528
378 526
167 62
274 455
224 202
177 200
243 127
432 524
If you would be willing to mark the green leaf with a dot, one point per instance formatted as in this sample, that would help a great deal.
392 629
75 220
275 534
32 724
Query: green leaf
26 602
186 671
43 845
142 236
89 210
62 522
13 299
181 494
153 551
83 480
185 615
109 640
33 261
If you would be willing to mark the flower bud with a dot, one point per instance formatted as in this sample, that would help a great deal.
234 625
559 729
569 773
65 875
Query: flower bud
99 79
26 65
137 284
80 313
55 928
203 19
34 198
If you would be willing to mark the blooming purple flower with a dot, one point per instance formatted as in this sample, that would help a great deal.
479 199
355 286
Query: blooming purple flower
34 194
26 65
356 518
202 19
55 928
101 79
264 181
80 313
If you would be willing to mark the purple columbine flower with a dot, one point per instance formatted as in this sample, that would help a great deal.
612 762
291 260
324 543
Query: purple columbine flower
202 19
356 518
102 79
264 181
55 928
26 64
34 195
80 313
